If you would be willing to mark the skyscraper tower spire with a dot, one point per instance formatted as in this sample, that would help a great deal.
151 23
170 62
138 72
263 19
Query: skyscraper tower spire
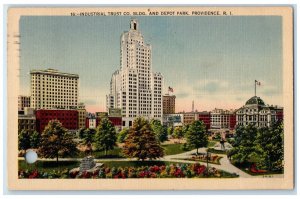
134 24
135 88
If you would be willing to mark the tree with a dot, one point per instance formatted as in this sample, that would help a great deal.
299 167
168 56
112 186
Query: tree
178 133
24 140
56 141
28 139
269 142
106 136
170 130
263 146
87 136
185 128
35 139
122 135
159 130
196 135
141 142
244 147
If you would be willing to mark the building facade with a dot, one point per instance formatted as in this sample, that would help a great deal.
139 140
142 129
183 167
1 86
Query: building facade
23 101
173 119
205 118
51 89
68 118
135 88
222 119
169 104
91 122
257 113
189 117
81 115
27 121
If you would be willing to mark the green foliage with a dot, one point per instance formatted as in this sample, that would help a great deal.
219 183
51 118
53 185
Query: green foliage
141 141
269 143
106 136
159 130
35 139
263 146
178 132
170 130
56 141
24 140
122 135
196 135
28 139
87 135
185 129
184 147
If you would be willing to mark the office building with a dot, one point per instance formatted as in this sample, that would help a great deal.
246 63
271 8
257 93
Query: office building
51 89
135 88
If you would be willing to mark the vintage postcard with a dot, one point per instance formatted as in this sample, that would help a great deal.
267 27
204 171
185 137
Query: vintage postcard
150 98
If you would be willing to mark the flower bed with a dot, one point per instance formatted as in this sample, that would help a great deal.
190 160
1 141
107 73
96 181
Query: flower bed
170 171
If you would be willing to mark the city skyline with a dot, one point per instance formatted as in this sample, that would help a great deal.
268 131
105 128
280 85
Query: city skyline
214 68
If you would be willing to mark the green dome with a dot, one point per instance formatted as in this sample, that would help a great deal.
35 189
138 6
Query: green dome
255 100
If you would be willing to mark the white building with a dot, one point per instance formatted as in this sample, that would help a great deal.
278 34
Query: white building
135 88
222 119
51 89
257 113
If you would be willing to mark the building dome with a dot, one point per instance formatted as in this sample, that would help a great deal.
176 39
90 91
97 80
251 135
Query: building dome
255 100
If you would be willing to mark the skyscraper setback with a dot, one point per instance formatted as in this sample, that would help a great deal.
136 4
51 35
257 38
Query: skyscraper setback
135 88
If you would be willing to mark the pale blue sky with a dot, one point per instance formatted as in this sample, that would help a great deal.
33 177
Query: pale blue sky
211 60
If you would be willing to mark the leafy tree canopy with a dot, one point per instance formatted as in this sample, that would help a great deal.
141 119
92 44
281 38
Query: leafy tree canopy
141 141
56 141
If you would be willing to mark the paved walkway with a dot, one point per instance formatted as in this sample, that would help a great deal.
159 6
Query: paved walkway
225 164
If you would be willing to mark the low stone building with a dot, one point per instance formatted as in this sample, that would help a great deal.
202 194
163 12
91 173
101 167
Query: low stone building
256 112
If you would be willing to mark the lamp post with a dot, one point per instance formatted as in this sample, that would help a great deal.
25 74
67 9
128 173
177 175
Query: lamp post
207 155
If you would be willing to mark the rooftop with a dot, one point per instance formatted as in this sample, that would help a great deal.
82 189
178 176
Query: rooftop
255 101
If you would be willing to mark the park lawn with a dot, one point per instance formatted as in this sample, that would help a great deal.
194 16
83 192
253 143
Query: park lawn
115 153
211 143
48 166
211 150
172 149
217 161
135 163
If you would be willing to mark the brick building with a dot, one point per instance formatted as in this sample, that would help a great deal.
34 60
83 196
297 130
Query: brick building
68 118
169 104
205 118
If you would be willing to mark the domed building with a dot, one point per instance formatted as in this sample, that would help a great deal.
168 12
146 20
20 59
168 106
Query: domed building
256 112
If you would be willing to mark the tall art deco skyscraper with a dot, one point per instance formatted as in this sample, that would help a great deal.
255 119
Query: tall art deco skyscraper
135 88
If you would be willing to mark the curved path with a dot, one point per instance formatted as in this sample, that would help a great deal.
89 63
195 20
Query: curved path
224 162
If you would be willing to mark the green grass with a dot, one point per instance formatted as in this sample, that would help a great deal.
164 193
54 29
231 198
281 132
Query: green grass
115 153
48 165
211 150
135 163
211 143
172 149
217 161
